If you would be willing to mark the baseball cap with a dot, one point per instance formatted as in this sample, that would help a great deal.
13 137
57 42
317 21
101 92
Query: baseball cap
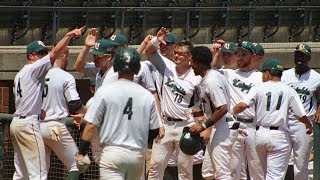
258 49
246 45
271 64
102 47
304 48
172 38
92 82
35 46
228 47
119 40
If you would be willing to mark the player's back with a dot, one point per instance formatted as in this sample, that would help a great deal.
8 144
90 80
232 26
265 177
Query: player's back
28 86
128 112
59 88
273 101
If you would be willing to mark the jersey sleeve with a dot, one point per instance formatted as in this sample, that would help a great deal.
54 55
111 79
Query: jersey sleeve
155 121
295 104
160 62
96 110
70 90
216 94
250 98
146 80
90 70
41 67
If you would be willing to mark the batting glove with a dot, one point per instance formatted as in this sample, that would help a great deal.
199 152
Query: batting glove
83 163
55 132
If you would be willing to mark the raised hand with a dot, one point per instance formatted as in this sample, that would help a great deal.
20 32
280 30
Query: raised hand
76 32
91 37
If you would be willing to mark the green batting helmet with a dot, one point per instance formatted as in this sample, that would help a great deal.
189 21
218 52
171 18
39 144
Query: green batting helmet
127 59
190 144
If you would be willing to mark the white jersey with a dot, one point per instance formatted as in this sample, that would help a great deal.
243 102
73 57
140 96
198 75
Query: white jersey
124 112
239 84
177 91
273 101
307 86
143 78
28 87
60 88
91 71
156 76
213 93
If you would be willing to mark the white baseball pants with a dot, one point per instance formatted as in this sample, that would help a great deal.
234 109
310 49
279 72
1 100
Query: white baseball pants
301 147
163 150
273 148
216 163
119 163
244 150
64 149
29 150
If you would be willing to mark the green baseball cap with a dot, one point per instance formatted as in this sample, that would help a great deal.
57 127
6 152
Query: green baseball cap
228 47
172 38
258 49
271 64
35 46
119 40
246 45
102 47
304 48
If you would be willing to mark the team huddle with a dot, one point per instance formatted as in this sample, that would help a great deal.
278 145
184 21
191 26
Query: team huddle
224 108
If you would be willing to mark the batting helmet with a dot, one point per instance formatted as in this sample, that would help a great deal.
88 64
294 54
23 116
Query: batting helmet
190 144
127 59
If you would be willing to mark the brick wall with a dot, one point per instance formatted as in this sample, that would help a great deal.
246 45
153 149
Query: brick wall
4 97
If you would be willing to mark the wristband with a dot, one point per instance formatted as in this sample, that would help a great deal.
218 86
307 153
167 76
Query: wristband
84 147
208 123
155 42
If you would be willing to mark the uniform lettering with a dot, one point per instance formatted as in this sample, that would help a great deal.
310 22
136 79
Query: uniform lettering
19 90
241 85
45 89
180 92
128 108
303 93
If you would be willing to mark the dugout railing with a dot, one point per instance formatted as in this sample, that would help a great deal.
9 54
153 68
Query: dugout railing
57 170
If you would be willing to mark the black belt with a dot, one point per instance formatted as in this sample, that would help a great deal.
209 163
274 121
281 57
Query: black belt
173 119
245 120
271 127
235 125
22 117
229 119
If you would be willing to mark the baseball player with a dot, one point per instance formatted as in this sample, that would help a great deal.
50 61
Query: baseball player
29 150
126 116
240 81
60 97
273 102
92 87
177 87
306 82
225 55
214 105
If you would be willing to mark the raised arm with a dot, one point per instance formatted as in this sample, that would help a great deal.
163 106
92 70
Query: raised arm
217 57
89 42
62 44
144 44
154 43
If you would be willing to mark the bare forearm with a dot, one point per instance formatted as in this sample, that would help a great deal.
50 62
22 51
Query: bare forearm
305 121
239 108
216 60
219 113
59 48
89 132
150 49
81 59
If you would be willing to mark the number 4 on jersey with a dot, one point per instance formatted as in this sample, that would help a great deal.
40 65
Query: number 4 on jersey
128 108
